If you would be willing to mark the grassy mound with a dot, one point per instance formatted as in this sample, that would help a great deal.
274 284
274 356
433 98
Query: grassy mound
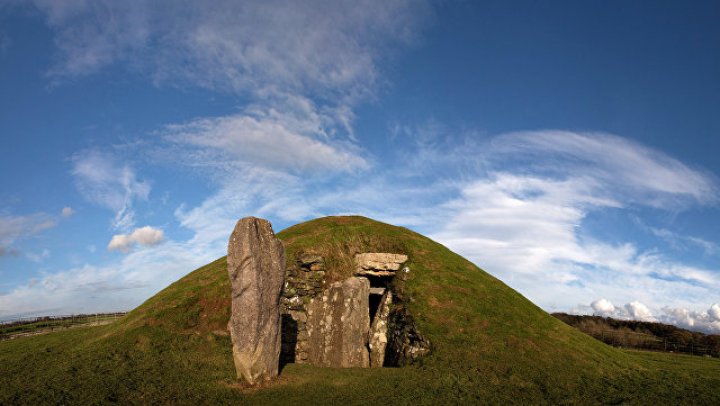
490 344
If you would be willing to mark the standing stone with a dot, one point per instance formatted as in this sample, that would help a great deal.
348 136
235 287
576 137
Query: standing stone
338 325
256 265
378 331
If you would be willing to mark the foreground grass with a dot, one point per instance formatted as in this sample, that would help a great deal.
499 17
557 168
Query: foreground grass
147 366
490 345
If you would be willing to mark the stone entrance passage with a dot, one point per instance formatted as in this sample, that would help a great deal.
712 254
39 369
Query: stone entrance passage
379 269
350 323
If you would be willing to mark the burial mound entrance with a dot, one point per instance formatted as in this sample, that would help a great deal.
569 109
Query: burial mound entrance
350 323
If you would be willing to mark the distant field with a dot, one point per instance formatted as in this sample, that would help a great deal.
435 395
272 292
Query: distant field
40 325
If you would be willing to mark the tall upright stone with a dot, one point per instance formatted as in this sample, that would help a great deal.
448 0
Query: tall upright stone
256 265
378 337
338 325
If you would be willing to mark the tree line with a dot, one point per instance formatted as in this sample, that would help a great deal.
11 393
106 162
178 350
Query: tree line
644 335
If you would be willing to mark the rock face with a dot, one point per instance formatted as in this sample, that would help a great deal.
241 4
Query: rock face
338 324
378 263
378 337
256 265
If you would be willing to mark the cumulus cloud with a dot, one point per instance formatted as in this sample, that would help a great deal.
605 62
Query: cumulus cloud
706 321
603 307
145 236
639 311
67 212
103 180
714 312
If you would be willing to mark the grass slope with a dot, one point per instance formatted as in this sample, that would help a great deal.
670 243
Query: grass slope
491 345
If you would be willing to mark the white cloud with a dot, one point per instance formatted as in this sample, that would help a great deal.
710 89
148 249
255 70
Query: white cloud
103 180
516 225
524 222
296 138
265 159
310 47
622 167
117 286
146 236
705 321
15 228
38 257
714 312
683 242
603 307
639 311
525 228
67 212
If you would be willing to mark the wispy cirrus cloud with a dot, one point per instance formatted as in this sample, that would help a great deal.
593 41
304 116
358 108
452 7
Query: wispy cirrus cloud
95 288
624 168
523 219
301 68
328 48
105 181
15 228
292 136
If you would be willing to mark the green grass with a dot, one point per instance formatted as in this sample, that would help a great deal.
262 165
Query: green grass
490 345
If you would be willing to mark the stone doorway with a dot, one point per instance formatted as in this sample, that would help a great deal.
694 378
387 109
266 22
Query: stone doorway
344 324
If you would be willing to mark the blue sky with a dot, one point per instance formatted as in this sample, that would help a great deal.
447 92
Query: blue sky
568 148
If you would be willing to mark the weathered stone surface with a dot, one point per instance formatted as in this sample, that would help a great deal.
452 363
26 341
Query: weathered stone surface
304 280
377 338
338 325
378 263
308 258
405 343
256 265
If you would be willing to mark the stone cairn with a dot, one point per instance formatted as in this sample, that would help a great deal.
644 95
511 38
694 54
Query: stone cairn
256 266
